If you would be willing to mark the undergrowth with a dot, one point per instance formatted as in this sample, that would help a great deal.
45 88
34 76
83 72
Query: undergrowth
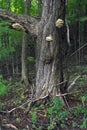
52 115
4 86
59 117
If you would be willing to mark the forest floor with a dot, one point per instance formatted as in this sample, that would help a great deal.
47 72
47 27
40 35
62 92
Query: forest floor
14 104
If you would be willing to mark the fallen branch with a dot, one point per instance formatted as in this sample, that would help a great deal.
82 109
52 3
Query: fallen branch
10 126
34 102
8 112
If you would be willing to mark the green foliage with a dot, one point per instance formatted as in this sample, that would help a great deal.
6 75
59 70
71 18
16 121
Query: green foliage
6 51
84 123
4 4
82 69
31 59
76 10
8 43
77 111
3 87
34 8
33 116
74 124
51 127
42 106
83 19
84 98
17 6
80 112
56 113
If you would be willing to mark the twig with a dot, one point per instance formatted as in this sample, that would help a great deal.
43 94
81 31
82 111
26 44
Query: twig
60 83
69 93
79 49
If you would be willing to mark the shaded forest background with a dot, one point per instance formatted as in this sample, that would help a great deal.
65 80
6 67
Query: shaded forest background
18 71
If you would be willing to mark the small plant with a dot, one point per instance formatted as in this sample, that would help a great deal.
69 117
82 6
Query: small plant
3 87
56 113
33 116
82 69
74 124
84 123
84 99
18 119
31 59
78 110
41 106
84 111
51 127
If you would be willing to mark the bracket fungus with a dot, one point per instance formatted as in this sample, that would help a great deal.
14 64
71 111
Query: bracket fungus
59 23
49 38
17 26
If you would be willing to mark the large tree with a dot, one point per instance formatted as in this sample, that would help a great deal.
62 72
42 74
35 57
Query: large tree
49 42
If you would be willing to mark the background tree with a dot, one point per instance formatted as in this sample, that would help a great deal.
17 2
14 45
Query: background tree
25 49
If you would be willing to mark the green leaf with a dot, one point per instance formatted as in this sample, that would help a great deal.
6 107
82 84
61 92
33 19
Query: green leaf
83 19
3 89
31 59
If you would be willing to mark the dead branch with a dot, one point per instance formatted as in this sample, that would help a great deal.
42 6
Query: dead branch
73 83
78 49
29 23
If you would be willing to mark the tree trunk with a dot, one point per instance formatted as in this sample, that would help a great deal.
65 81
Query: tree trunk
24 49
49 60
24 59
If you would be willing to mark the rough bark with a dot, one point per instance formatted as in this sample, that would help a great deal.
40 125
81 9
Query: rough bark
49 64
24 49
29 23
25 77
